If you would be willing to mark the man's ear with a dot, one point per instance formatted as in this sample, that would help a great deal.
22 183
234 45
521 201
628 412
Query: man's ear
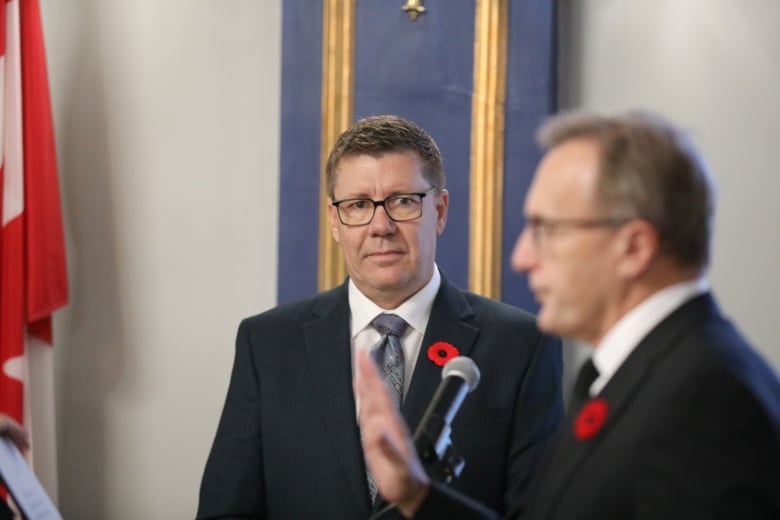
638 247
442 207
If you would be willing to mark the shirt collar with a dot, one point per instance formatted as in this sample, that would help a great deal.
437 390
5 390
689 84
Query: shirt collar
415 310
629 331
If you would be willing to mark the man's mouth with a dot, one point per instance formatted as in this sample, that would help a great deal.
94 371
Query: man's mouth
382 256
384 253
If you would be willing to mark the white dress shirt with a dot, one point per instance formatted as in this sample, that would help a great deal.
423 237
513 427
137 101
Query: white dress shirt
415 311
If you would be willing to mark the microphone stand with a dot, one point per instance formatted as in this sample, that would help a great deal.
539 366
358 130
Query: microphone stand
444 468
444 464
432 438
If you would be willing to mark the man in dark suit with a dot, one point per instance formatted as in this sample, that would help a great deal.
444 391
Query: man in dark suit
288 443
675 415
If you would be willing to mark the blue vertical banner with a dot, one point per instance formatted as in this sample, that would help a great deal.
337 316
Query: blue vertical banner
423 70
300 153
531 96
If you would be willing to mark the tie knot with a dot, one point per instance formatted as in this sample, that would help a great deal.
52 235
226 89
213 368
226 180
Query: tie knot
390 325
581 392
588 374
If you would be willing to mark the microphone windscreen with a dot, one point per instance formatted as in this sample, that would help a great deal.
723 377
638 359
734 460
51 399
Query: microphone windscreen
464 368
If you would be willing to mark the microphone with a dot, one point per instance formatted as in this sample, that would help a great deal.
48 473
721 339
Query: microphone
432 437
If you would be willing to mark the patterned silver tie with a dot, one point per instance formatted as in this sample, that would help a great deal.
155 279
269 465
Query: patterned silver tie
389 358
388 354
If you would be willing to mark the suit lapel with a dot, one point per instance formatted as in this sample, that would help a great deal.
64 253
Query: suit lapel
568 453
447 323
330 362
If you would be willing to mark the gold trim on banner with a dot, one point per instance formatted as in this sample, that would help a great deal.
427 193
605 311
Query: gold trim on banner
487 146
338 44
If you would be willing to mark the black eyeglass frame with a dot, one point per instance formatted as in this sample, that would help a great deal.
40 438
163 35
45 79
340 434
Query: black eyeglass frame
382 203
538 226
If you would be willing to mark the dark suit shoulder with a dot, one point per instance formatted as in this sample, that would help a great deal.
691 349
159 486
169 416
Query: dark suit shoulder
299 311
696 342
696 369
710 409
723 362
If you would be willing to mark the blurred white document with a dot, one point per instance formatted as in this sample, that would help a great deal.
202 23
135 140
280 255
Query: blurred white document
28 494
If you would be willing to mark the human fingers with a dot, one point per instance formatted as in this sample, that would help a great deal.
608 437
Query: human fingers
372 391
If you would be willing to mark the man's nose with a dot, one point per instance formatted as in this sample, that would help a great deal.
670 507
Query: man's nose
381 223
524 254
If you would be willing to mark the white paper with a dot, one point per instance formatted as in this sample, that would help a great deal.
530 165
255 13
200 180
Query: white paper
28 494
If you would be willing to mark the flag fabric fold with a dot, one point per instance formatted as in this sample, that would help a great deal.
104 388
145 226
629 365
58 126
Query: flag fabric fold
33 275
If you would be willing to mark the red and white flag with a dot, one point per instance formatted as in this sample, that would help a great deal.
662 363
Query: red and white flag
33 277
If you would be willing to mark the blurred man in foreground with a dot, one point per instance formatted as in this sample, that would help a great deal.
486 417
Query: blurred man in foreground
675 415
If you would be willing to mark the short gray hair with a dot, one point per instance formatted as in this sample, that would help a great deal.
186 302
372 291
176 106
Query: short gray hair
648 169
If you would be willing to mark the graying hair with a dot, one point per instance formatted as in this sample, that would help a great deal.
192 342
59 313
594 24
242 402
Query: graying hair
648 169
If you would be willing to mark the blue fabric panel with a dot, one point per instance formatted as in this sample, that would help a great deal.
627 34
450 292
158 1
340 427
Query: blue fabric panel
423 70
299 185
531 94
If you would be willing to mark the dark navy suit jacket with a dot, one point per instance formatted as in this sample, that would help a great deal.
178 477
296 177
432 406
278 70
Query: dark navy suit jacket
692 432
288 444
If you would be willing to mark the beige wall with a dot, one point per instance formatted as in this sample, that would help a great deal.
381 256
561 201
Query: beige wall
167 122
711 65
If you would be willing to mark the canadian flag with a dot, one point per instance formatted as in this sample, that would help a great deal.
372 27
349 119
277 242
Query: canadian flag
33 277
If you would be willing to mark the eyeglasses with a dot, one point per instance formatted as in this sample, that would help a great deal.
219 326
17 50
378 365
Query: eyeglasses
399 208
542 229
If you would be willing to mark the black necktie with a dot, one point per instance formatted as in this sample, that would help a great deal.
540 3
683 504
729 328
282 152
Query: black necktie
588 374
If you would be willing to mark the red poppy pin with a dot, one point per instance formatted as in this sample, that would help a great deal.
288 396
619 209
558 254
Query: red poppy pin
590 419
441 352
